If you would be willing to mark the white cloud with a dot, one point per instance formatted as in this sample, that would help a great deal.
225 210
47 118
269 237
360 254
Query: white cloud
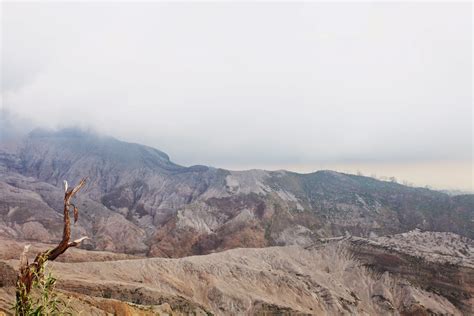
249 83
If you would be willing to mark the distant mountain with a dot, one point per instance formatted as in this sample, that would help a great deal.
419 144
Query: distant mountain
138 201
456 192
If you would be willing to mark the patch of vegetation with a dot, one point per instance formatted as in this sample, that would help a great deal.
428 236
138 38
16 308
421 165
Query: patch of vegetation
43 299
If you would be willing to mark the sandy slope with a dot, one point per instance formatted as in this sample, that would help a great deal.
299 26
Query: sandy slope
291 279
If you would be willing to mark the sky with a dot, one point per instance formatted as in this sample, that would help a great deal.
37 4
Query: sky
384 89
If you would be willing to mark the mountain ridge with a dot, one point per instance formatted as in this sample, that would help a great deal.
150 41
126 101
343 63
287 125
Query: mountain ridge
176 211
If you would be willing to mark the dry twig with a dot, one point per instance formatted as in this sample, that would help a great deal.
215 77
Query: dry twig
30 271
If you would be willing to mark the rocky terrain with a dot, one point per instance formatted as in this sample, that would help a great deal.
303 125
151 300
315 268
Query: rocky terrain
326 278
139 202
269 242
438 262
437 247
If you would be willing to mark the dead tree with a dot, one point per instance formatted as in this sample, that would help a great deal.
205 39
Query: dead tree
29 272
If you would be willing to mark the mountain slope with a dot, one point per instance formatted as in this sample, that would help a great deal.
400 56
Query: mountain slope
138 201
321 280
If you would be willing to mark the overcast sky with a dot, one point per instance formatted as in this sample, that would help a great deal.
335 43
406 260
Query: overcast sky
381 88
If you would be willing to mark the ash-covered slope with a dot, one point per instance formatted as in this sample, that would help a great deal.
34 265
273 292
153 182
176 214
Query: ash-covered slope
138 201
289 280
439 262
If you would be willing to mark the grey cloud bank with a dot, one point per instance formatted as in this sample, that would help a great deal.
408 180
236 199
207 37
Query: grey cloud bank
242 85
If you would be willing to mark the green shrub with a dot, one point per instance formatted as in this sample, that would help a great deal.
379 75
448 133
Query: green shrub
43 299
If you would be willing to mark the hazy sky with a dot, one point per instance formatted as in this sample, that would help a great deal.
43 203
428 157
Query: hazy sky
381 88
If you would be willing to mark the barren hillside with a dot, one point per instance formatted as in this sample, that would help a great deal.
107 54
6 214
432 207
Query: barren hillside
290 279
138 201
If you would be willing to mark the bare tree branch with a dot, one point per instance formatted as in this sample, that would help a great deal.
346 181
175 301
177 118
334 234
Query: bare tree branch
29 272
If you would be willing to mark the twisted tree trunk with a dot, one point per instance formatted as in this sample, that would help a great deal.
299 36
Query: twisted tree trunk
29 272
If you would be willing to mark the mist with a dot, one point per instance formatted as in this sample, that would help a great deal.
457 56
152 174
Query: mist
375 87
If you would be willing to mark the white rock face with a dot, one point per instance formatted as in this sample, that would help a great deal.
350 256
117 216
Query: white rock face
246 182
289 197
199 217
440 247
286 196
296 235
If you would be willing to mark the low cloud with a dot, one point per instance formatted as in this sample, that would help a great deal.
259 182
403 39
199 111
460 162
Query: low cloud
249 84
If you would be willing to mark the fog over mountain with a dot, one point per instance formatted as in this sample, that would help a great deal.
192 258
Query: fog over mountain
380 88
225 158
